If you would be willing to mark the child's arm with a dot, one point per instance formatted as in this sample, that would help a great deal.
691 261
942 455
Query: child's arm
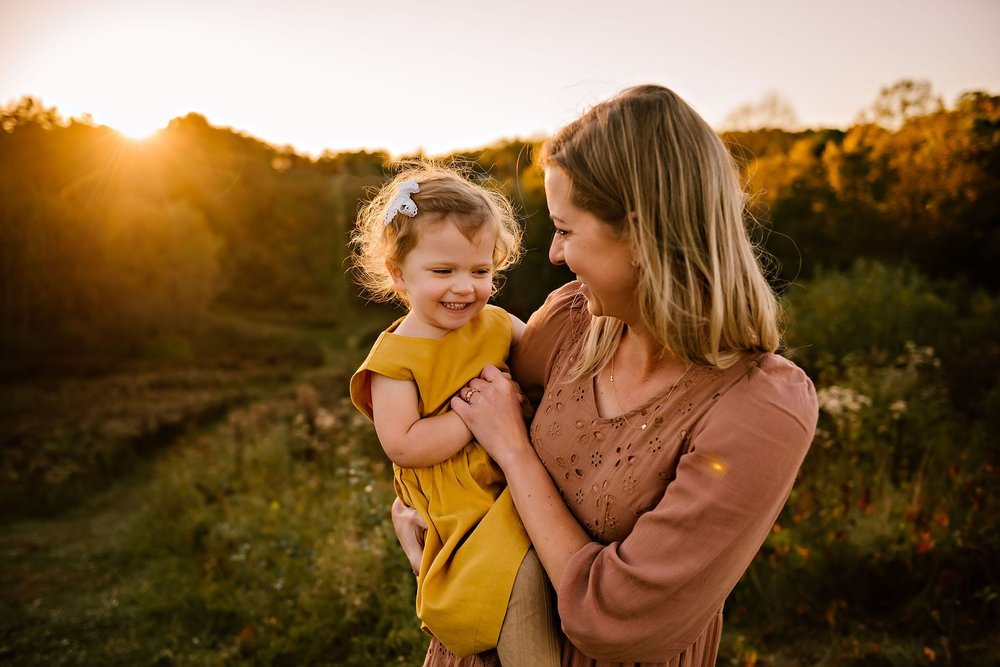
409 440
518 329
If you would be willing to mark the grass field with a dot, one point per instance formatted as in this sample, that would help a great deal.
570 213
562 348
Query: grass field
258 539
224 513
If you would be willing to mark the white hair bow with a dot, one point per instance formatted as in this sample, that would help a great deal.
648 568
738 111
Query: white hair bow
402 203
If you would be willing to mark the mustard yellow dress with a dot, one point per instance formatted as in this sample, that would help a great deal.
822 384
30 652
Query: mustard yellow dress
475 541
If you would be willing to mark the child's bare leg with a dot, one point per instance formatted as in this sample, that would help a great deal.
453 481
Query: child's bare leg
528 637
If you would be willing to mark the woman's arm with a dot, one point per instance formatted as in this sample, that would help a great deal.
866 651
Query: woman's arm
409 440
649 596
545 333
495 414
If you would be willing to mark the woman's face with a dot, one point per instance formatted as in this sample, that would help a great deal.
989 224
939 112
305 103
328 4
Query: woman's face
600 258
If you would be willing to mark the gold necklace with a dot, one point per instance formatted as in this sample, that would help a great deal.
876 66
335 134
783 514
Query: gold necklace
614 393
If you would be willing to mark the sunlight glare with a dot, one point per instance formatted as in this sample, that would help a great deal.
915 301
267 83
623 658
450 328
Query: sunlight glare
136 131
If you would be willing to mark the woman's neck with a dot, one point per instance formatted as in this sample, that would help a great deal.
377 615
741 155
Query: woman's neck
642 356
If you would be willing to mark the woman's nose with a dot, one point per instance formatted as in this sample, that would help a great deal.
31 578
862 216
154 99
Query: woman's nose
556 250
462 285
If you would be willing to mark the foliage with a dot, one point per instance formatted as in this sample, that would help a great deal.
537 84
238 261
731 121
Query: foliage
263 541
149 287
901 101
71 431
281 521
771 111
106 243
885 545
923 194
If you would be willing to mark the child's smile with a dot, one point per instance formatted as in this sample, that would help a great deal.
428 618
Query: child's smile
447 279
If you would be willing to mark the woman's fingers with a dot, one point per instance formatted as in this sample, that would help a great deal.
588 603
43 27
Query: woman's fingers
492 374
491 377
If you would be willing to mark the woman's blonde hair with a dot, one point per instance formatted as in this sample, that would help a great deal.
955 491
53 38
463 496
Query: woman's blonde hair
446 195
649 166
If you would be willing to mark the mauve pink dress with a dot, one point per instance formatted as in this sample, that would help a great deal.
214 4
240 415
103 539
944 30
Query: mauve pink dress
676 511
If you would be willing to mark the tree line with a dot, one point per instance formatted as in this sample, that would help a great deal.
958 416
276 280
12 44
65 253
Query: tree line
105 242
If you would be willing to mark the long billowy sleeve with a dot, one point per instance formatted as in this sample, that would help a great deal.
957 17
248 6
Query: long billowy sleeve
650 596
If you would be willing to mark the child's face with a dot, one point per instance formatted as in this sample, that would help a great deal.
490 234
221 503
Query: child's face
446 278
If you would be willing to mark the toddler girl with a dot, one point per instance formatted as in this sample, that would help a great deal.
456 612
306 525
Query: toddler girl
435 241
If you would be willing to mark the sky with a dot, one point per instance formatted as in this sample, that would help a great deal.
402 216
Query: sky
443 75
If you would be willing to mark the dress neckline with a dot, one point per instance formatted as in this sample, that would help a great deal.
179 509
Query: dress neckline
664 395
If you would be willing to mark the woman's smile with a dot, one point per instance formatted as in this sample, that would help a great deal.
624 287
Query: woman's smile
592 249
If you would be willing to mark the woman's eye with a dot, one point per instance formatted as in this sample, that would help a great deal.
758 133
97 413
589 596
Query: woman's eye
441 272
561 233
482 272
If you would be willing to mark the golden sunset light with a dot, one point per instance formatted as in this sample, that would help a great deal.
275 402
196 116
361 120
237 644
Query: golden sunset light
533 332
451 75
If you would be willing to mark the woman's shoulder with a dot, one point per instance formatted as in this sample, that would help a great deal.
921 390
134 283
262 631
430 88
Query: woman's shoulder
563 306
769 391
556 326
567 297
780 377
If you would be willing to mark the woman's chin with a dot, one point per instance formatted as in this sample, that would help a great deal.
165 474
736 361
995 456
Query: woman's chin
592 305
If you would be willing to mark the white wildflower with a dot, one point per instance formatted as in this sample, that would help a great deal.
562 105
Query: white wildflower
837 400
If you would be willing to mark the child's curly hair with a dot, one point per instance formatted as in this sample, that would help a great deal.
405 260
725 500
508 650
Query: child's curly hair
445 194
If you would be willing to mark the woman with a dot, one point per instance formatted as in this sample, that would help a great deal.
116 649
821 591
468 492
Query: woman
667 434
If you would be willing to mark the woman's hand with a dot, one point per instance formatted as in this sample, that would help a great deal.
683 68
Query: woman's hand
492 406
410 531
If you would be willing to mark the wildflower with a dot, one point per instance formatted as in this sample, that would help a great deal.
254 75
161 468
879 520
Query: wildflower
324 421
837 400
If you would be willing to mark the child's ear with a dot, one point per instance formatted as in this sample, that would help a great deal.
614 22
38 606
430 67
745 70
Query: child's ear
397 275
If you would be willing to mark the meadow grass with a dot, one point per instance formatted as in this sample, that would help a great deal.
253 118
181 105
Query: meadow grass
265 539
262 541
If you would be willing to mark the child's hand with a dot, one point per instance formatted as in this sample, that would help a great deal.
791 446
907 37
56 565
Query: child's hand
410 531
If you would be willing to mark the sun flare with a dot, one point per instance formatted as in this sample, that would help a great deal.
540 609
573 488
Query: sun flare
137 129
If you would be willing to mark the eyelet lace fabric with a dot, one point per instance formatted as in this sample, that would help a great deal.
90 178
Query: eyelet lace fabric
609 475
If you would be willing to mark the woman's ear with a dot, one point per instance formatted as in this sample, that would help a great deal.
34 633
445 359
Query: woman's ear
397 276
